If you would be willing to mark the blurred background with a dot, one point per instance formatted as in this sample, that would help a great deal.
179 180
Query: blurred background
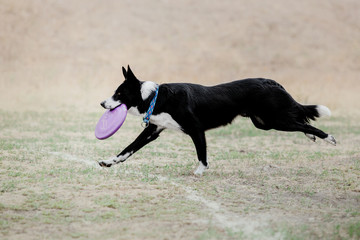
63 55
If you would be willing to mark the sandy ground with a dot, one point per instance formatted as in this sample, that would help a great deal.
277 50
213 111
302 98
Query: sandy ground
55 54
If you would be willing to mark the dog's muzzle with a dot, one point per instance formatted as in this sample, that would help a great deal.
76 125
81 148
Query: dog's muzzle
110 103
103 104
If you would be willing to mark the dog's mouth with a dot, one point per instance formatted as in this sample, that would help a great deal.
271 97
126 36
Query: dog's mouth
114 107
110 104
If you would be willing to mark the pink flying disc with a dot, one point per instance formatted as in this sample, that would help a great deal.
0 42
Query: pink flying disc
110 122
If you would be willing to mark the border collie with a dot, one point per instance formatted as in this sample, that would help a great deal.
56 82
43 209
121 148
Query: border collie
193 109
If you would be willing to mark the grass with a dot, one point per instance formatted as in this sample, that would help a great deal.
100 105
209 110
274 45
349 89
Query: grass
265 184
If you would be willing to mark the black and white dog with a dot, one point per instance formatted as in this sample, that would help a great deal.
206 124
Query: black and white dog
193 109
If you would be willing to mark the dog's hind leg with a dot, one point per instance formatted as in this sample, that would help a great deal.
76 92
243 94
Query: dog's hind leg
149 134
308 130
200 145
311 132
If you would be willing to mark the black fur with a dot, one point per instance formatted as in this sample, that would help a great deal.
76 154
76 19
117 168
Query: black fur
198 108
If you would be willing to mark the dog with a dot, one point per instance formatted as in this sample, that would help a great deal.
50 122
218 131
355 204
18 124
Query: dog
193 109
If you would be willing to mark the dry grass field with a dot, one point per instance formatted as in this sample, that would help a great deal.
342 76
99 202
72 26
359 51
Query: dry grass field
60 59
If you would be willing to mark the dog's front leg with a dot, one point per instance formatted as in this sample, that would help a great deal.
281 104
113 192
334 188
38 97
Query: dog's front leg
200 145
149 134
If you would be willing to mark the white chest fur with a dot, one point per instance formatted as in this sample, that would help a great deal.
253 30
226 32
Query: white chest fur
162 119
134 111
165 120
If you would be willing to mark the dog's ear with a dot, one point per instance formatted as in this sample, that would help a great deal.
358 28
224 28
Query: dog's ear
130 75
124 72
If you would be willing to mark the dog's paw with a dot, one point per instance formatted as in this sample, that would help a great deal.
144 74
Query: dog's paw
108 163
311 137
200 170
104 164
330 139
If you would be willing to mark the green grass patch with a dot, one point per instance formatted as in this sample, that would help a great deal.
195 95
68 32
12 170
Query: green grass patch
253 174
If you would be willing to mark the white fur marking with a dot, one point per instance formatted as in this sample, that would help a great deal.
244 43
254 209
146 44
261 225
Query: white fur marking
162 120
122 158
165 120
115 160
111 104
110 161
330 139
147 88
323 111
311 137
134 111
201 168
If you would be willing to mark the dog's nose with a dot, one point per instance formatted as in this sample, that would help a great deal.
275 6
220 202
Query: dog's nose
103 104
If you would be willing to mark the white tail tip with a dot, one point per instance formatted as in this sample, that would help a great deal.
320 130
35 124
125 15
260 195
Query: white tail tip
323 111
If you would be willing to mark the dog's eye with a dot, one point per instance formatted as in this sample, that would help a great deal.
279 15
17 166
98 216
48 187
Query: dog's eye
118 94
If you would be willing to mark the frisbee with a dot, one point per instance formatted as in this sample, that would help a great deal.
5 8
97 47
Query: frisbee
110 122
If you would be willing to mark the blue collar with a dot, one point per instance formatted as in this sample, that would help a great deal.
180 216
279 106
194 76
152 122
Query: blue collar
149 112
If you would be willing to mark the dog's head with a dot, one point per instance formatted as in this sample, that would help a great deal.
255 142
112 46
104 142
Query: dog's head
132 92
127 93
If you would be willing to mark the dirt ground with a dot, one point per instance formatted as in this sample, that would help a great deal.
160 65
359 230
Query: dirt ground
60 59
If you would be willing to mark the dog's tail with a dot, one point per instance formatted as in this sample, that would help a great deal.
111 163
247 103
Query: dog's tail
316 111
